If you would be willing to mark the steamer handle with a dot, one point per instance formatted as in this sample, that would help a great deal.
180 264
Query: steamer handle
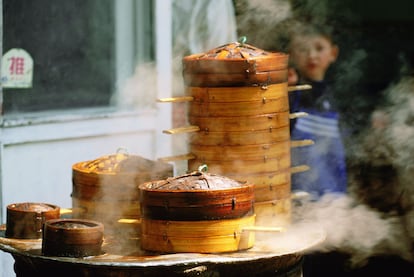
202 168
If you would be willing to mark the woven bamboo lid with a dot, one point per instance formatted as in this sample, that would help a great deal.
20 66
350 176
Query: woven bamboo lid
235 64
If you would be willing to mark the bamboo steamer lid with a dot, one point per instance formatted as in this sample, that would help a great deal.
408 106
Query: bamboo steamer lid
235 64
196 196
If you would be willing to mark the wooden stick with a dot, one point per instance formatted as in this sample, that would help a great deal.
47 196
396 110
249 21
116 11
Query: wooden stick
297 115
129 220
300 143
189 156
299 168
263 229
65 211
176 99
299 87
180 130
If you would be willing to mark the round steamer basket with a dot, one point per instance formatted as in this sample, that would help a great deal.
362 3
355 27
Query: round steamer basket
235 79
235 64
237 94
208 236
105 189
241 124
267 136
271 192
264 164
274 213
241 152
25 220
195 203
72 238
197 212
269 186
245 108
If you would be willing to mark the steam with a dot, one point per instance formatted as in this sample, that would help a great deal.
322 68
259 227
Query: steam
353 228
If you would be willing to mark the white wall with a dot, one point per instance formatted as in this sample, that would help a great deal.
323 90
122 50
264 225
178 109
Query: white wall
36 155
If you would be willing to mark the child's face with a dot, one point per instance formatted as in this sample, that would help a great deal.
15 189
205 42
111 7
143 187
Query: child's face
312 55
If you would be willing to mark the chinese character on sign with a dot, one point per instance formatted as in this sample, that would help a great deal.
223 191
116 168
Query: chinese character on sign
17 69
16 65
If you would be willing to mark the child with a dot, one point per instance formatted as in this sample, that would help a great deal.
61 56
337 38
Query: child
312 52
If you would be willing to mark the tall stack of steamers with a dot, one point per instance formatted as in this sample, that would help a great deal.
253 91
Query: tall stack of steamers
239 116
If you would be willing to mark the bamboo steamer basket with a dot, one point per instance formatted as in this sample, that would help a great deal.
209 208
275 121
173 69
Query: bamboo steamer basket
235 64
269 186
237 124
276 212
105 189
72 238
196 196
239 94
242 108
240 166
273 177
237 152
197 212
25 220
209 236
265 136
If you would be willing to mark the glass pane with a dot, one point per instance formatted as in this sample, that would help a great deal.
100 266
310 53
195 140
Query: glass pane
72 45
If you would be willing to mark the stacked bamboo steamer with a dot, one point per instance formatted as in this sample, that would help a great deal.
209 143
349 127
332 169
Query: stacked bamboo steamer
106 189
239 116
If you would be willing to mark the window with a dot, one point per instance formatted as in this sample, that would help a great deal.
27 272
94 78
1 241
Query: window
82 50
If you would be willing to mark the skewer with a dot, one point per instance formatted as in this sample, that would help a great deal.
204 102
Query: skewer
299 168
299 87
263 229
300 143
297 115
189 156
176 99
185 129
129 220
66 211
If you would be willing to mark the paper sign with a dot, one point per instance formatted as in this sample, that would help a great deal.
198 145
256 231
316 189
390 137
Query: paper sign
17 69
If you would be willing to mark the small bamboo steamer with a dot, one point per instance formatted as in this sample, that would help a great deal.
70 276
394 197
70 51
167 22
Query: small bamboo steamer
72 238
25 220
237 124
208 236
266 136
